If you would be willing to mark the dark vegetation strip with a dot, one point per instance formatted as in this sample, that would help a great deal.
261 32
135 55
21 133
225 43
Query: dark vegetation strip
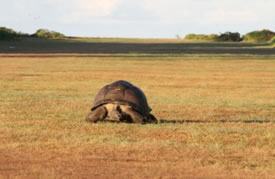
163 121
78 47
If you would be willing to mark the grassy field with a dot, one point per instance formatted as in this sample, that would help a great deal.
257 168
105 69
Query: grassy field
215 103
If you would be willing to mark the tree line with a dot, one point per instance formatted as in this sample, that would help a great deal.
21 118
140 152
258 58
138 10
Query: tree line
10 34
254 36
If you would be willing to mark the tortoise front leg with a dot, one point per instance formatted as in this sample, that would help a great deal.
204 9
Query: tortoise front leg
136 117
96 115
152 119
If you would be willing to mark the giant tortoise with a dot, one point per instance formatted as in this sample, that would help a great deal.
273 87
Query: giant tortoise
121 101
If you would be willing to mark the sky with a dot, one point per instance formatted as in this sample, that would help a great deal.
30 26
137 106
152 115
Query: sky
138 18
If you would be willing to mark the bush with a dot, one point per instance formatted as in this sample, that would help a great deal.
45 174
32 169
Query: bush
229 36
259 36
213 36
44 33
200 37
273 41
7 34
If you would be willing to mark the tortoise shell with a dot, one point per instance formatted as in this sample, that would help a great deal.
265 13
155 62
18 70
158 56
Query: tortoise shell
123 92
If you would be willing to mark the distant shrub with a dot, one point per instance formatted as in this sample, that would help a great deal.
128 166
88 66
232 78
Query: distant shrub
259 36
196 37
200 37
44 33
213 36
7 34
229 36
273 41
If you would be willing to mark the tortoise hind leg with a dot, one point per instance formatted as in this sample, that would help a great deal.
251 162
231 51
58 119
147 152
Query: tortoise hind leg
96 115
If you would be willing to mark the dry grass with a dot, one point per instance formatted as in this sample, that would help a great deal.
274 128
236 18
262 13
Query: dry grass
217 117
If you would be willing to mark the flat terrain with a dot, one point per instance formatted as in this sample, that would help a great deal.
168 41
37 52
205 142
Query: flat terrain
215 103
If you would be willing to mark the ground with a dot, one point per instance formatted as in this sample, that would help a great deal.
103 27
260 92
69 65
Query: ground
215 103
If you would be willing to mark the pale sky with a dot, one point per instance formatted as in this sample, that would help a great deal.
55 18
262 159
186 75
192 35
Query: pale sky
138 18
